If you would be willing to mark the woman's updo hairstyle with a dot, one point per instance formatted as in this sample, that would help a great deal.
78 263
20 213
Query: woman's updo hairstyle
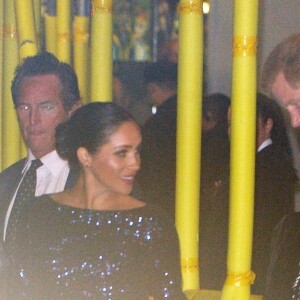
90 127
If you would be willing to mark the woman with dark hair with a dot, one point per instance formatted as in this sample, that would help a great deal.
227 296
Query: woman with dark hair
94 240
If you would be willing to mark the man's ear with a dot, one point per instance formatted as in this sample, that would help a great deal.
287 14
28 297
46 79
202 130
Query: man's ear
269 125
84 157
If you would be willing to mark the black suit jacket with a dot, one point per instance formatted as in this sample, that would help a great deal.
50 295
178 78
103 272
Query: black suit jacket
275 180
284 267
9 180
158 157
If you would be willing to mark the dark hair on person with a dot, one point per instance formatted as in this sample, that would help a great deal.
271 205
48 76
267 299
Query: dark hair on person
162 73
45 63
215 107
285 58
90 127
268 108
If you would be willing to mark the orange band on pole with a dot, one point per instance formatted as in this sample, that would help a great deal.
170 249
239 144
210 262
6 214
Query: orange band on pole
189 264
244 46
190 8
102 5
240 279
63 37
9 31
80 35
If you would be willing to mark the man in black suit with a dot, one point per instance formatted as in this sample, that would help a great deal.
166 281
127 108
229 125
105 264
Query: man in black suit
158 153
275 179
281 79
45 92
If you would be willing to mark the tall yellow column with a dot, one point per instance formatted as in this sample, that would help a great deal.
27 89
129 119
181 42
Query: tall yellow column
81 54
10 129
63 43
50 28
37 17
27 41
101 51
188 138
1 75
243 115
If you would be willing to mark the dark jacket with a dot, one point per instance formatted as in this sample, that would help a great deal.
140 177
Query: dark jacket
9 180
275 180
283 272
158 156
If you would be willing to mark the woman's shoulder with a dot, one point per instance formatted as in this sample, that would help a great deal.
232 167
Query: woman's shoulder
159 218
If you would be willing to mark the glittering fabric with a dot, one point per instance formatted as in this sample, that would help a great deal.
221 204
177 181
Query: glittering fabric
68 253
296 287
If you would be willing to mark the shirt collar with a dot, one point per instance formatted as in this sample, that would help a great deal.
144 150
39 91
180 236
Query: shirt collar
264 144
51 161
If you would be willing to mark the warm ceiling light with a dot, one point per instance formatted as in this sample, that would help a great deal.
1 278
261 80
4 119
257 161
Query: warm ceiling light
205 7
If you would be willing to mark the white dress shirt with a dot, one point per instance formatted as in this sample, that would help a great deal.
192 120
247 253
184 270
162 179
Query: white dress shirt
51 178
264 144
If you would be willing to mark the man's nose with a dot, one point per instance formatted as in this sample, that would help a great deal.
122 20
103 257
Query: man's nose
34 116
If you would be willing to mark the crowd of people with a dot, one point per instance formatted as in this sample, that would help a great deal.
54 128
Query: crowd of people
97 190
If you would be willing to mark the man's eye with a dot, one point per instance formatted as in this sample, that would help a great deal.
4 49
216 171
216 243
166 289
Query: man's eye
47 106
23 108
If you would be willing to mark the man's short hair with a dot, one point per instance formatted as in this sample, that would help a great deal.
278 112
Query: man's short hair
162 72
215 108
45 63
285 58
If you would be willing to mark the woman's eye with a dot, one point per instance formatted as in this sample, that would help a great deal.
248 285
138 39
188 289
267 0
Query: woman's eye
121 153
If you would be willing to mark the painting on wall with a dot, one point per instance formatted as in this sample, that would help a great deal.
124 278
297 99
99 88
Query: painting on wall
140 27
132 30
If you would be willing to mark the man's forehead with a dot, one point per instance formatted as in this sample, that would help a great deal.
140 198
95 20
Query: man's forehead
284 93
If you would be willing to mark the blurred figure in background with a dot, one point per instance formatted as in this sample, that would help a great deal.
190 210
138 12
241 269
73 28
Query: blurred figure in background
214 191
158 153
275 182
128 92
169 51
215 140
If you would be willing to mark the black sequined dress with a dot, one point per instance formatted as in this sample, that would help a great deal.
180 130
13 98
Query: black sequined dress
69 253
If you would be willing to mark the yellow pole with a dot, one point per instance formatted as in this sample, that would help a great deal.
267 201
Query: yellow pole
10 129
27 40
81 54
50 27
63 13
243 115
37 16
50 33
188 138
101 51
1 76
26 28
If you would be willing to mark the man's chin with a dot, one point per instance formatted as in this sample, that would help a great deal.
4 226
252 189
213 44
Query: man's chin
38 149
